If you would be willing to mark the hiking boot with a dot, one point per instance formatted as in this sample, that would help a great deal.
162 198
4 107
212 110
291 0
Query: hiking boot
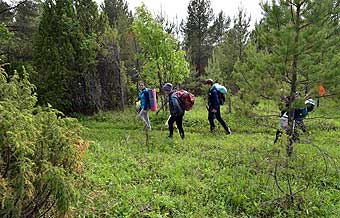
182 135
228 131
169 136
212 129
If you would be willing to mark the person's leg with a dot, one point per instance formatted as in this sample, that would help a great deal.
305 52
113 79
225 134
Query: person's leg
301 125
219 118
147 121
277 135
171 125
179 123
143 117
211 117
295 134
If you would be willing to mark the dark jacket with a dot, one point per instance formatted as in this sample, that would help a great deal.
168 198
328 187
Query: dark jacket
300 114
143 96
213 101
174 104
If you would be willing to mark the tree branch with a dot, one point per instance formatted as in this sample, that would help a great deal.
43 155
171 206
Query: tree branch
13 7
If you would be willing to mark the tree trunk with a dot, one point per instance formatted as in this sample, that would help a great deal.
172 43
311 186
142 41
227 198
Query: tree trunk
229 104
293 85
160 84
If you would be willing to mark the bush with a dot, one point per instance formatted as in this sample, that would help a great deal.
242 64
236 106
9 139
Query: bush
41 153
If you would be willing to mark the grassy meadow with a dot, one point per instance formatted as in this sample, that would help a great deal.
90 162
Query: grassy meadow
210 174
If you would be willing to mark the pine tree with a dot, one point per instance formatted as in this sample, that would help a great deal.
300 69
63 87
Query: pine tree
229 50
118 13
22 21
6 15
110 69
57 45
219 28
240 32
196 33
293 38
120 19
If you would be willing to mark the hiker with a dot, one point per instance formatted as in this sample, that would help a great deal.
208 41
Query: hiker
176 111
213 107
143 113
299 115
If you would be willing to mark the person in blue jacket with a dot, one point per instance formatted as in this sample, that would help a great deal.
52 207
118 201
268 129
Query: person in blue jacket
299 115
143 96
176 111
213 108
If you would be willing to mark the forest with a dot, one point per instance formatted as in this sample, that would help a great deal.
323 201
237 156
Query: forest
72 144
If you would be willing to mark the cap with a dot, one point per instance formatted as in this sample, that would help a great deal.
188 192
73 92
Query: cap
167 87
209 81
310 101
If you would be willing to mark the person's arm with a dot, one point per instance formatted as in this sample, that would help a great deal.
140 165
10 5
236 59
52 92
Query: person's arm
146 104
214 100
176 107
161 108
138 97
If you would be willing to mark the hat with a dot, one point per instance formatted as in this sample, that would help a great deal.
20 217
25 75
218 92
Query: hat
167 87
310 101
209 81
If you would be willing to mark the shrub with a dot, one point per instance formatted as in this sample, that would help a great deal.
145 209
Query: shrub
41 153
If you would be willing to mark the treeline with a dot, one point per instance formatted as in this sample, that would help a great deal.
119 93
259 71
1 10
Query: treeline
84 58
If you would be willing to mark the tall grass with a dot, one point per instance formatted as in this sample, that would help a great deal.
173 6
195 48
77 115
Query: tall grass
209 175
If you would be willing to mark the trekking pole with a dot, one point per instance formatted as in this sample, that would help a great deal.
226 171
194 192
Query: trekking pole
163 105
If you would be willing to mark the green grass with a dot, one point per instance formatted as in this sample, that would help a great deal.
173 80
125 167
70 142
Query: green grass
208 175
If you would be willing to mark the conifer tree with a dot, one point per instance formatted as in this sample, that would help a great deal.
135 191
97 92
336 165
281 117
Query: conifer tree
110 69
41 153
293 38
196 33
120 19
219 28
58 50
22 21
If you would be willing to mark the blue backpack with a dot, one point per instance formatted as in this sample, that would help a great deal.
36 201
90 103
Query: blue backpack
221 92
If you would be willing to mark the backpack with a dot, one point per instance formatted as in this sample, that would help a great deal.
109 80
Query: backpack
152 99
187 100
284 121
221 92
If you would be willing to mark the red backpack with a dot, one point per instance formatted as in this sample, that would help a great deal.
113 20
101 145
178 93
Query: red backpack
187 100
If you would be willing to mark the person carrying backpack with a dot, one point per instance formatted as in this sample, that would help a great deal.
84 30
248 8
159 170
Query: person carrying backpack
176 110
299 115
213 107
143 97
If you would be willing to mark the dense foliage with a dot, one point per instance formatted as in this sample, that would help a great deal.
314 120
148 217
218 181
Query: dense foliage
85 60
162 59
41 153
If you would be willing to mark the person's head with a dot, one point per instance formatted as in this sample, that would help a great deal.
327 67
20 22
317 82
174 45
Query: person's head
209 82
310 103
141 86
167 88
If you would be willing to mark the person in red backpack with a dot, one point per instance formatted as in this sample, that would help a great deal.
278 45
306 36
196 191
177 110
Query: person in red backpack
176 110
213 108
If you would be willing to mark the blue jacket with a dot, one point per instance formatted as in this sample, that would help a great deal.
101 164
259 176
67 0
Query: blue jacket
300 114
213 100
143 96
174 104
